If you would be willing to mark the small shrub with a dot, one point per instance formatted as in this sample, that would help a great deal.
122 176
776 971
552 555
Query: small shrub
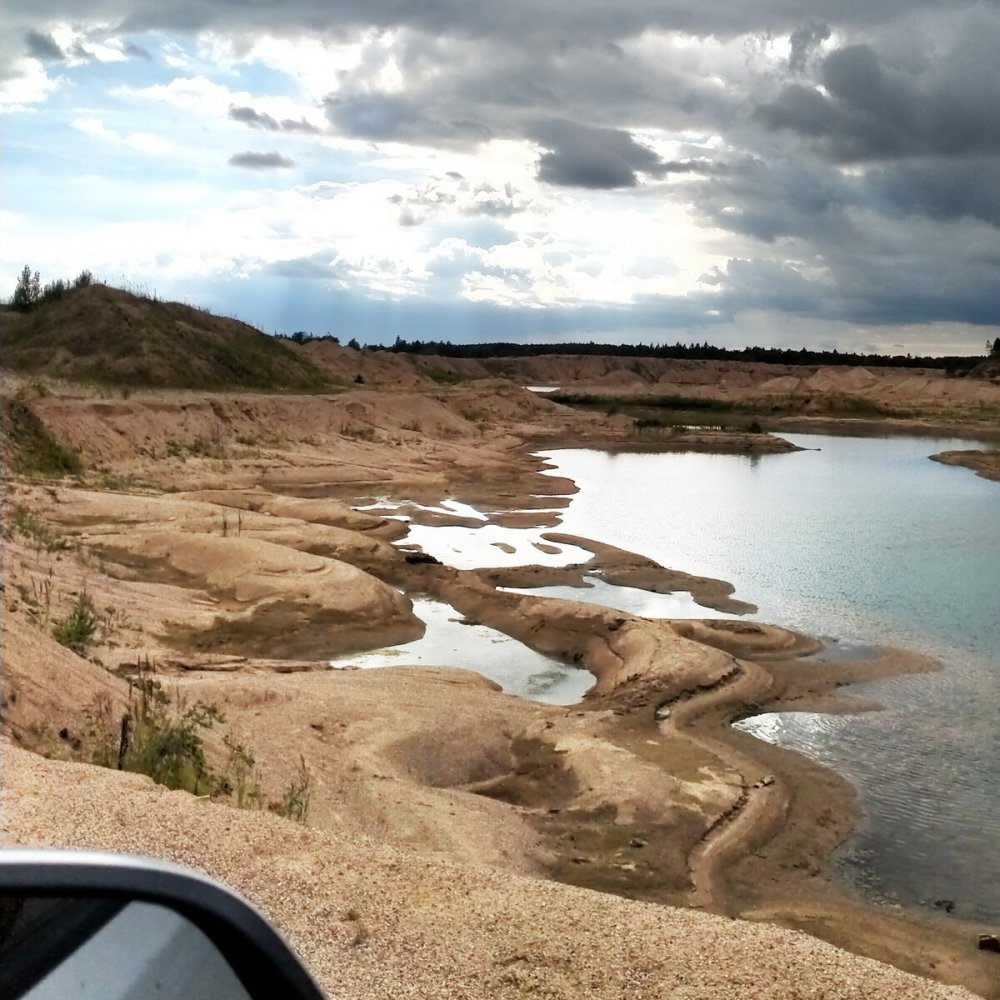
101 730
242 776
294 802
77 629
27 291
114 482
358 432
162 739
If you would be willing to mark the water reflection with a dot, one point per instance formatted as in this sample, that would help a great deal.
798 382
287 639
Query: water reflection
447 642
491 545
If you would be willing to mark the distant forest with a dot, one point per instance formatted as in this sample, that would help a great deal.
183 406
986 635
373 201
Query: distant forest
698 352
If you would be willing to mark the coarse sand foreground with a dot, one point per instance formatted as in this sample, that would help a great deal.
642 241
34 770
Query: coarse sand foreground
372 922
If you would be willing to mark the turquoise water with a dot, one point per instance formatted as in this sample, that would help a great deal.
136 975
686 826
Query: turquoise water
863 540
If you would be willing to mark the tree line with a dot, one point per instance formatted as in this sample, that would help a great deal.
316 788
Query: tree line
29 292
679 351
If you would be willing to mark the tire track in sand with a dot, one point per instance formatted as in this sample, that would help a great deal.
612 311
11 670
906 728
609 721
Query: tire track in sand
763 800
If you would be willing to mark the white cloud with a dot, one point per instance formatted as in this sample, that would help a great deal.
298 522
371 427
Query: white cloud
196 94
319 65
29 84
143 142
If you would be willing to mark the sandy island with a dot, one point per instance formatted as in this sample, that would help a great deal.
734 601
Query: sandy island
453 832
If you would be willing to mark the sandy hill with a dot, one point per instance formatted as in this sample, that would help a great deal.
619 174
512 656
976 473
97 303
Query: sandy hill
988 369
103 334
347 365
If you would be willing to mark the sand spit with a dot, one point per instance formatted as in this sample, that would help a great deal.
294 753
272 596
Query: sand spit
982 463
217 540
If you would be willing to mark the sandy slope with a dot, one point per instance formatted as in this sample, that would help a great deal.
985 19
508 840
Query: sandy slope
373 922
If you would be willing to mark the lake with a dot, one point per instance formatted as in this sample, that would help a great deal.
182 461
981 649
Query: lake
862 540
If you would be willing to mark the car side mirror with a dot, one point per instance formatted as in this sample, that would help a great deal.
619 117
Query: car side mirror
82 924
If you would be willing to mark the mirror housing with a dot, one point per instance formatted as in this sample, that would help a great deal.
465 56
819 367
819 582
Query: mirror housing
53 903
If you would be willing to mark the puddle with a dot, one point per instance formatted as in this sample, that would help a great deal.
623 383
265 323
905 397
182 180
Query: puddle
518 669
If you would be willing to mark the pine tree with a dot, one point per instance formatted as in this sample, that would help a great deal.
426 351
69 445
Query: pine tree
28 292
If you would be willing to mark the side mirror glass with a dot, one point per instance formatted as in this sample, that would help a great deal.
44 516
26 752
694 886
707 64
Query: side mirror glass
58 948
87 925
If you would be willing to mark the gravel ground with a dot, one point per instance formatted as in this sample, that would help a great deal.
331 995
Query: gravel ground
373 922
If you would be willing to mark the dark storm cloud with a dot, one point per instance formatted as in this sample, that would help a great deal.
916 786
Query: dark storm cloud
375 116
262 120
426 117
766 284
255 119
893 291
803 42
905 242
862 265
949 275
298 125
873 107
782 198
43 46
582 156
871 167
315 266
938 189
550 21
260 161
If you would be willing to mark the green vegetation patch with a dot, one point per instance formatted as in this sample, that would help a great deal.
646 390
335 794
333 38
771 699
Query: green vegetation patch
76 630
157 736
19 521
161 735
652 411
31 449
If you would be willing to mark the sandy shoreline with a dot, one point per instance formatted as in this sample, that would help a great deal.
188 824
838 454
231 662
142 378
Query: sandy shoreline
218 575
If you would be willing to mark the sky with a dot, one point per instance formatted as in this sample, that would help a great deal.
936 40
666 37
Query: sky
774 172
